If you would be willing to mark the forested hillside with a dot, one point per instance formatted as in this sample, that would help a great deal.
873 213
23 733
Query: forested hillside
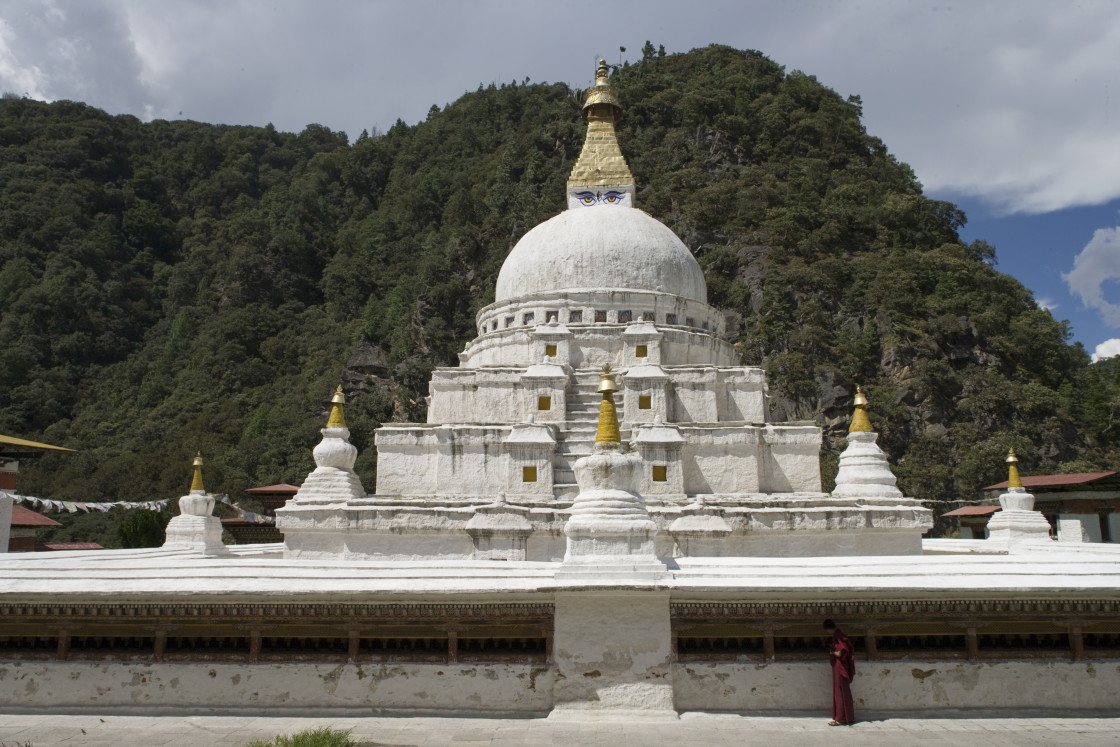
170 287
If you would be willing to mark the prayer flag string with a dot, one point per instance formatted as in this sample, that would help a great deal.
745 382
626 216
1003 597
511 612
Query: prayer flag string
84 506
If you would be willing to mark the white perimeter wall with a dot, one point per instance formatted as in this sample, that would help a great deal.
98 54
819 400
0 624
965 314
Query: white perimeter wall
199 687
931 686
462 688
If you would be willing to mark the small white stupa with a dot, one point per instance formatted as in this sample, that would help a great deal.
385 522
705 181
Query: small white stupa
196 527
329 487
864 471
334 479
609 530
1017 523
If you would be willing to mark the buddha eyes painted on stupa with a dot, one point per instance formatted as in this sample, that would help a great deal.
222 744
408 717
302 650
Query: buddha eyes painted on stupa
611 197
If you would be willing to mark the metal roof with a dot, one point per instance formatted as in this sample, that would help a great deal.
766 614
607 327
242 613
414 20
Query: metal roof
281 488
1058 481
25 517
972 511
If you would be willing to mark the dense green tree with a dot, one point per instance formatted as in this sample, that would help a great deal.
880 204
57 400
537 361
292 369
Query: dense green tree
142 528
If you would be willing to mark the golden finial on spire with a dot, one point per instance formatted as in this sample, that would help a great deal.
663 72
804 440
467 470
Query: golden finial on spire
1013 479
860 423
602 95
600 163
196 480
608 432
337 419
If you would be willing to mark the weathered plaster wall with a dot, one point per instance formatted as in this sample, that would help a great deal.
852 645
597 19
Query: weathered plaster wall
929 686
612 651
121 687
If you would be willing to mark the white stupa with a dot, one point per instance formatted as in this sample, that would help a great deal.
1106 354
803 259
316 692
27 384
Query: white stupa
1017 525
604 284
196 528
566 541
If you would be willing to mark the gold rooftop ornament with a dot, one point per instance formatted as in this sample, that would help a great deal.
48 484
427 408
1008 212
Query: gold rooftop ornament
608 432
337 419
600 163
1013 479
196 480
860 423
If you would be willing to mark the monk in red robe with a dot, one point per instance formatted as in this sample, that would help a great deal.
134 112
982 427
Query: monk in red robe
842 654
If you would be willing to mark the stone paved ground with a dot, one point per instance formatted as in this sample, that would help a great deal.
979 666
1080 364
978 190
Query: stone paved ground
708 730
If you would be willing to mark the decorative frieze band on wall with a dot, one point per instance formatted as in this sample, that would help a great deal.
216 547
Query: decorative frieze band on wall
278 632
972 629
322 613
904 608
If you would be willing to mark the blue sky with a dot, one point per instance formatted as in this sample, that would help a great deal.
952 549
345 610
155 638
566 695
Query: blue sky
1036 249
1010 108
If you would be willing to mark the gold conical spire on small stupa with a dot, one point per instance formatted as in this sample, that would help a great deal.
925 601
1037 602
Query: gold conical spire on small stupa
1013 479
860 423
600 163
608 432
337 419
196 479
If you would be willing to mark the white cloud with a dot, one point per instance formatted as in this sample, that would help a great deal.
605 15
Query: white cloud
1107 349
22 79
1015 102
77 50
1096 264
1048 304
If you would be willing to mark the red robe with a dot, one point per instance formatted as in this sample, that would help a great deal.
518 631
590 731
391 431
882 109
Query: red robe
843 669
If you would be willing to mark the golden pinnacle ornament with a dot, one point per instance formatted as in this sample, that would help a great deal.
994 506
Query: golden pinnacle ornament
860 423
337 419
196 480
1013 479
608 432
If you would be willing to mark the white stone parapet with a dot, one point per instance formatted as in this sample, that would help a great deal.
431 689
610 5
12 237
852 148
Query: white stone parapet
700 531
499 531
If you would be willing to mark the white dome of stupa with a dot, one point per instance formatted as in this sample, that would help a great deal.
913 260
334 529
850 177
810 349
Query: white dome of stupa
603 246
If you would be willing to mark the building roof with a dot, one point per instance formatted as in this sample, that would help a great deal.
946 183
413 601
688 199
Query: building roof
59 546
972 511
1059 481
25 517
281 488
10 446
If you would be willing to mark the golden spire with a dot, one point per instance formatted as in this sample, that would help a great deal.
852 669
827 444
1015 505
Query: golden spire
196 480
1013 480
602 94
600 163
337 419
860 423
608 432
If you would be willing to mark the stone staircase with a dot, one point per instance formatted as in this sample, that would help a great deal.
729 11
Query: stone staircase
577 435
